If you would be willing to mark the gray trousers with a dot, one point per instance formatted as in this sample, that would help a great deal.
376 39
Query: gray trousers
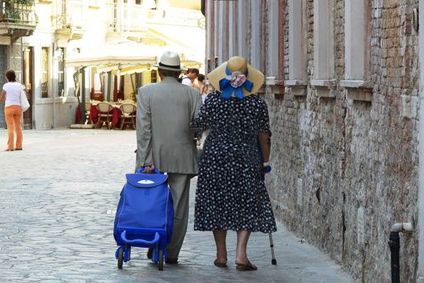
180 189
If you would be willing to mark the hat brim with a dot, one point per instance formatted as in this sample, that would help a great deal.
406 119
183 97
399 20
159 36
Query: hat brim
170 68
253 75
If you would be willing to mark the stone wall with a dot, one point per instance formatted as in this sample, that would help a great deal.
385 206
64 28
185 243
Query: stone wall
345 170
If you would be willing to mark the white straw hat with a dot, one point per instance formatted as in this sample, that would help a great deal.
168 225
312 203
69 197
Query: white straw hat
170 61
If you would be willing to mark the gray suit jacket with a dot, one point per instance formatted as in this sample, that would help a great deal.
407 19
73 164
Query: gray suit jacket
164 138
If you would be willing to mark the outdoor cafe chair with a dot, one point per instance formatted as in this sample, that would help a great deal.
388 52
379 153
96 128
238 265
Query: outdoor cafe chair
105 114
128 115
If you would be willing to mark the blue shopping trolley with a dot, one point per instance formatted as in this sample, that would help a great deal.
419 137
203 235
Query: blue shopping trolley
144 217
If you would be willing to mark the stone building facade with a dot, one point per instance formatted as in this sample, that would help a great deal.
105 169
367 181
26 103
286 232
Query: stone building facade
16 21
342 87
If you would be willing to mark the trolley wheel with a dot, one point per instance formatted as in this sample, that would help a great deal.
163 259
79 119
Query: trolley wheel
120 257
161 260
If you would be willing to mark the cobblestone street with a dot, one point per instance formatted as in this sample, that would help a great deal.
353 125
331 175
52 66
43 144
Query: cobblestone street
58 197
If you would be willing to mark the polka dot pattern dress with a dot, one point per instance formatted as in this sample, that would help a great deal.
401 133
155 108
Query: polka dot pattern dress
231 193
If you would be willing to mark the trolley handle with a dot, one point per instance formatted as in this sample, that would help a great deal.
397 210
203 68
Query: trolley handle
139 241
141 169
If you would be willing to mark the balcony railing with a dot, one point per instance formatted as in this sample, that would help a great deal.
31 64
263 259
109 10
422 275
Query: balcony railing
69 19
18 12
125 17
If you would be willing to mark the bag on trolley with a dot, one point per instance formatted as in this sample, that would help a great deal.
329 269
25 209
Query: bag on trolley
144 217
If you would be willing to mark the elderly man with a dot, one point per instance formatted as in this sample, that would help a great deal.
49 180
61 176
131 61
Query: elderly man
165 140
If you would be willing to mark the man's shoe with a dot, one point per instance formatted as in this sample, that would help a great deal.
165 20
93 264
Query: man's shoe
150 253
171 261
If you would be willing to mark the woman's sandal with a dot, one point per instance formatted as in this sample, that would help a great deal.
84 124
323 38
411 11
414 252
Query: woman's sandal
246 267
219 263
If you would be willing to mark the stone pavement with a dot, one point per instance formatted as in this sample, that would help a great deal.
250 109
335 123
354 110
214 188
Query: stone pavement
57 204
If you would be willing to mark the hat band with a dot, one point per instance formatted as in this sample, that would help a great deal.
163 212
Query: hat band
231 86
169 66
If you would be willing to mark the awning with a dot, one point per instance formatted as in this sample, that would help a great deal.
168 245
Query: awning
110 60
125 53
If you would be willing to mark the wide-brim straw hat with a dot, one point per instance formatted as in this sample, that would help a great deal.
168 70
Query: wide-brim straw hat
170 61
239 64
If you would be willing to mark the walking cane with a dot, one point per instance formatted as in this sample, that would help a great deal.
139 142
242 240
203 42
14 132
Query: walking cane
266 170
271 244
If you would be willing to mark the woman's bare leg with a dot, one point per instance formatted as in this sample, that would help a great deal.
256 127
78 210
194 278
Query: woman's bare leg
221 245
241 251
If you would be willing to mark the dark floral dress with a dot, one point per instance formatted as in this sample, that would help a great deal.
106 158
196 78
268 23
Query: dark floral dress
231 193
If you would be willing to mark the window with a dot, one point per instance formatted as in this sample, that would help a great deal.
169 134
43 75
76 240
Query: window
255 43
273 52
61 72
232 28
297 67
115 23
355 38
242 28
28 68
223 31
45 72
323 40
210 42
217 30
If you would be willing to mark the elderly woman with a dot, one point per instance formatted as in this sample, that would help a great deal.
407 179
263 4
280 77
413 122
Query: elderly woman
231 193
11 94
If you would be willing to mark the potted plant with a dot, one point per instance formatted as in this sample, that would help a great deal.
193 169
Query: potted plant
12 15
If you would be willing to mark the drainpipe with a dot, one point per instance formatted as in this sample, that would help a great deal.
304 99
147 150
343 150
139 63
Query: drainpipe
394 243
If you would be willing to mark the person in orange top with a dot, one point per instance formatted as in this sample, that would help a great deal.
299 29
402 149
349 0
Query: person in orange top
11 94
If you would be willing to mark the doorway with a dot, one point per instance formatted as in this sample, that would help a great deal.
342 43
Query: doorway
3 68
27 80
